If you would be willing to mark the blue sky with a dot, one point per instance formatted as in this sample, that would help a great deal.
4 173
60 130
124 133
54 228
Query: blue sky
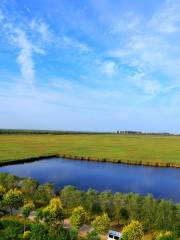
90 65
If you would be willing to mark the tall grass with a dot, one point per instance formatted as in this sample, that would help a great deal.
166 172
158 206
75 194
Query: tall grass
132 149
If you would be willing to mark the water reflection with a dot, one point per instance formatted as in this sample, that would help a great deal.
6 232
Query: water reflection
161 182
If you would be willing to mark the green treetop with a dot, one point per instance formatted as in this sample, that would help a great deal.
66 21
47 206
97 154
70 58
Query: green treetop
13 199
78 217
133 231
101 224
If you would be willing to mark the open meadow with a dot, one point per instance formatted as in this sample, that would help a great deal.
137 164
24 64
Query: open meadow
135 149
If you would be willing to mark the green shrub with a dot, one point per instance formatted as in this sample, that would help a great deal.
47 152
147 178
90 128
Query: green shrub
78 217
101 224
166 236
73 234
92 236
10 230
26 235
133 231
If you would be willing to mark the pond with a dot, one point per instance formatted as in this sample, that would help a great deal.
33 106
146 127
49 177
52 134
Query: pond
161 182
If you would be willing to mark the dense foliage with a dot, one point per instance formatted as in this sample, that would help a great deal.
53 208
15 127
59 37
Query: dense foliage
101 224
78 217
29 210
133 231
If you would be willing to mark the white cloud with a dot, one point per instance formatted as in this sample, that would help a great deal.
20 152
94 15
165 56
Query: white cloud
151 52
109 68
25 39
72 88
75 44
26 49
42 27
167 19
25 55
129 22
149 86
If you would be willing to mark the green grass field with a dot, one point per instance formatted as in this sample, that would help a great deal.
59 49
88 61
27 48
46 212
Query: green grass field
126 148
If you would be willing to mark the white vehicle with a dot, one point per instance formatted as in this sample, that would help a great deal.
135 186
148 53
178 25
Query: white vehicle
114 235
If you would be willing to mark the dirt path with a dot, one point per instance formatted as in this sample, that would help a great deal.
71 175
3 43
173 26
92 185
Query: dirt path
84 230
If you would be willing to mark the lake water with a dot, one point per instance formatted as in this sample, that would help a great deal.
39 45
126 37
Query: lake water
161 182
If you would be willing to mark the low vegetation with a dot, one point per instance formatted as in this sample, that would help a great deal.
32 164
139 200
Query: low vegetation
133 149
32 211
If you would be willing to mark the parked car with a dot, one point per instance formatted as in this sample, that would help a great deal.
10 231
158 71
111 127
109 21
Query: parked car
114 235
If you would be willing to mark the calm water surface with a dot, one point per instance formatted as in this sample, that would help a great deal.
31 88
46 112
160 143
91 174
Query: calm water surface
161 182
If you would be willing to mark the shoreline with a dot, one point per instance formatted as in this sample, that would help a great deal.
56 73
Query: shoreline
82 158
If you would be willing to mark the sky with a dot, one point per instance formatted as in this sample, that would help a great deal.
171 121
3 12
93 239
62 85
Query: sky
90 65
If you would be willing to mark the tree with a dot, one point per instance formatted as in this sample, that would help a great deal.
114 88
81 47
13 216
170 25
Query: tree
27 208
101 224
71 197
149 209
38 231
118 203
2 191
165 236
26 235
53 213
29 186
43 194
10 229
8 180
73 234
106 202
38 215
166 217
78 217
92 236
91 201
134 205
59 234
13 199
133 231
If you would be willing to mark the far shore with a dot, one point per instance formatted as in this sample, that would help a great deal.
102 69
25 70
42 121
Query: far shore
127 162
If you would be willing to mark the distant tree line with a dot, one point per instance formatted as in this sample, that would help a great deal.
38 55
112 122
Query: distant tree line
134 214
24 131
124 132
53 132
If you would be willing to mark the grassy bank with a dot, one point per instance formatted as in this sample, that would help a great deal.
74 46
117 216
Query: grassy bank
148 150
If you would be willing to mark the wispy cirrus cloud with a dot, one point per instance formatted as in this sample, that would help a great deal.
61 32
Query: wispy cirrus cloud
43 29
167 19
30 38
148 85
109 68
127 23
84 91
150 52
73 43
24 57
20 37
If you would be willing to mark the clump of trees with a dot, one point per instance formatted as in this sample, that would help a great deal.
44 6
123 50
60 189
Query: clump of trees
101 224
78 217
32 211
53 213
133 231
12 199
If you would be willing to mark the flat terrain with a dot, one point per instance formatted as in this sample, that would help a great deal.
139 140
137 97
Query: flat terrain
146 149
